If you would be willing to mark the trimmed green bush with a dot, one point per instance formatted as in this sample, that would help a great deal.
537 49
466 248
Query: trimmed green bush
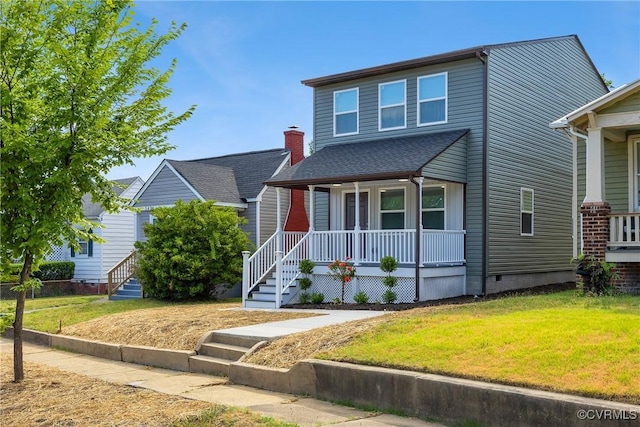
317 298
48 270
361 298
193 249
389 264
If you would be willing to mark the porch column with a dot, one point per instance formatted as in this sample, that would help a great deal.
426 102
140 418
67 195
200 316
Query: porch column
278 221
595 167
419 225
356 227
312 219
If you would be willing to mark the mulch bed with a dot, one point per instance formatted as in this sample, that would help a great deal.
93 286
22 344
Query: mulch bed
465 299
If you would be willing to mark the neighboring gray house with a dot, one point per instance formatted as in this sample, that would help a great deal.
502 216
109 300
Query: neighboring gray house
447 163
605 137
234 180
93 261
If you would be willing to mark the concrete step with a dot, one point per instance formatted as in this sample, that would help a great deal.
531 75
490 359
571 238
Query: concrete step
236 340
222 351
209 365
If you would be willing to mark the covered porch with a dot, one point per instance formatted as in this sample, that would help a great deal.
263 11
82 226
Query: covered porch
363 213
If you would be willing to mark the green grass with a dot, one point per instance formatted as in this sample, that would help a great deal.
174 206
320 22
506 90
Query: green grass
48 302
561 342
223 416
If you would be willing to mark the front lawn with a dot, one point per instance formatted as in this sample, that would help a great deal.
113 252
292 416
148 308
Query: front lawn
560 342
47 302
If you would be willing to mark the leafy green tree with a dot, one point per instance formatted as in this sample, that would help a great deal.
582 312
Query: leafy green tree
77 98
193 249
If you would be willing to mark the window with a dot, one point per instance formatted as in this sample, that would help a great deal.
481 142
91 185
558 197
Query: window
392 209
152 219
433 208
392 105
345 112
86 248
432 99
526 212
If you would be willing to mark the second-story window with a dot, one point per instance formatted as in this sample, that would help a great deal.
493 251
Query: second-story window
432 99
345 112
393 105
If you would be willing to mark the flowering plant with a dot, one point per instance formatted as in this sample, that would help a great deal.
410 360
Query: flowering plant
344 271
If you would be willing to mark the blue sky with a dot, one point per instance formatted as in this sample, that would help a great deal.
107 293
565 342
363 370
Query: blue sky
241 63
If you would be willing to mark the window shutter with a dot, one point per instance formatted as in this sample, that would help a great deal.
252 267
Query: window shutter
90 245
73 252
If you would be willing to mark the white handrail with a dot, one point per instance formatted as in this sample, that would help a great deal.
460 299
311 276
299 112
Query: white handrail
443 246
624 229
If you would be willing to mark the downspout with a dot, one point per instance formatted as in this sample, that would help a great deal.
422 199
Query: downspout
485 163
417 242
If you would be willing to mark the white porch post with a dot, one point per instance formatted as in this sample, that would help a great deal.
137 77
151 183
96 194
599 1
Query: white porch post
258 204
311 219
278 278
356 227
245 277
278 221
419 226
595 167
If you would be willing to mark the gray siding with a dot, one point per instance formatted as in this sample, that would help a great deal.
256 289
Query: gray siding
465 107
250 215
630 104
531 85
450 165
321 218
165 189
268 211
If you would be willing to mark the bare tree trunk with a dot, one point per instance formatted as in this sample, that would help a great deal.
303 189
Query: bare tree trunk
18 364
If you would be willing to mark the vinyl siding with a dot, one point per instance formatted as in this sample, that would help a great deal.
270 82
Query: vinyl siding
465 107
165 189
632 103
450 165
531 85
250 215
268 211
88 268
119 235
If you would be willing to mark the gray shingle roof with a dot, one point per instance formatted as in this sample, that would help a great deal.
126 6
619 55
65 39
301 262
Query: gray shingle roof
389 158
93 210
212 182
249 171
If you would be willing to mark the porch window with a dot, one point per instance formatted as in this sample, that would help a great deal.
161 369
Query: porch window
526 212
392 209
432 99
433 208
392 99
345 112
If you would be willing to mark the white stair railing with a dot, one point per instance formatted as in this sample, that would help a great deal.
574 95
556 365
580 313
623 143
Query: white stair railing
289 271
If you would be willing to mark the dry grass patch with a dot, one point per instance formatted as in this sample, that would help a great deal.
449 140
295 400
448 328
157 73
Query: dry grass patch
176 327
50 396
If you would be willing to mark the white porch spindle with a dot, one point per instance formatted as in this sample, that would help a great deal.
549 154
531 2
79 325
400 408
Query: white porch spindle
595 166
356 228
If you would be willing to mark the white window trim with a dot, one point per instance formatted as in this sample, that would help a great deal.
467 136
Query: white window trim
404 209
343 217
445 97
380 107
152 219
357 111
532 212
444 209
84 254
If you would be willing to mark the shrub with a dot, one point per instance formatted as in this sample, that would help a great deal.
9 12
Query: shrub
361 298
305 267
317 298
343 271
48 270
193 249
596 275
389 264
304 298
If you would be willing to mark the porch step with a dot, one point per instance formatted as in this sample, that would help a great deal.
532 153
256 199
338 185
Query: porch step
253 303
215 355
130 290
265 296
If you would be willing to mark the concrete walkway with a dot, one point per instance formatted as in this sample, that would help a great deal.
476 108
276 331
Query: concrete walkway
300 410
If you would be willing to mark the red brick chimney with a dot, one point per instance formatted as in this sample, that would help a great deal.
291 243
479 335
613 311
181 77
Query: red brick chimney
297 219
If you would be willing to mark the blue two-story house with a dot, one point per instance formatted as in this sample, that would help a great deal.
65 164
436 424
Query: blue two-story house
445 162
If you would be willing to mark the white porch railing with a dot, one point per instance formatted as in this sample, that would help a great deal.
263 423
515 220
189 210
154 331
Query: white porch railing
257 266
443 246
624 229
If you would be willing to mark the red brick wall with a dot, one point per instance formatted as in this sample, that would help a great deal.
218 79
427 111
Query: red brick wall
629 280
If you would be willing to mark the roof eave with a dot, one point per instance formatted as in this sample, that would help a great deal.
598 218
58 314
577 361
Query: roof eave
303 183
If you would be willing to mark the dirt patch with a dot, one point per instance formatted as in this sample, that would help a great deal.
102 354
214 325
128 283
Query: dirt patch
175 328
49 396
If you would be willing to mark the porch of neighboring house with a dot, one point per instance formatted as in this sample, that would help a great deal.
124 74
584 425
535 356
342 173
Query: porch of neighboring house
367 222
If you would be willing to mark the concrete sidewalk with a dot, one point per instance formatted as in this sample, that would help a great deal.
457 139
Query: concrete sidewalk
300 410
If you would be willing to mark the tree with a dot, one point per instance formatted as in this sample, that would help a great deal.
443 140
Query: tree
192 250
77 97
